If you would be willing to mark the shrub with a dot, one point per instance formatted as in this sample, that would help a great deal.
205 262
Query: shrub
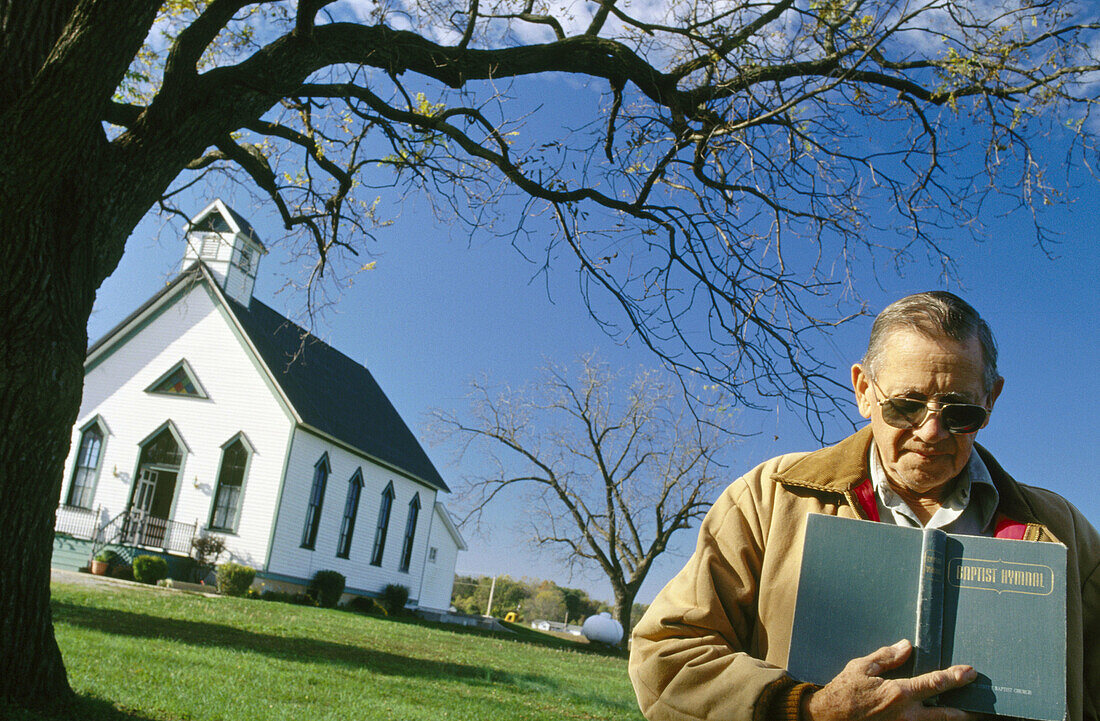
235 579
206 551
208 548
327 587
150 569
365 604
394 598
110 557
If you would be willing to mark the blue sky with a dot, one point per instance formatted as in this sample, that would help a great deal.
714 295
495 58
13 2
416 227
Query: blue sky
440 308
437 310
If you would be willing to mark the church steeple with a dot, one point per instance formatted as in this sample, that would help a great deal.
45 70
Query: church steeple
228 245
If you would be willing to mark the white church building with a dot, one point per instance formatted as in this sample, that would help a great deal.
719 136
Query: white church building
207 412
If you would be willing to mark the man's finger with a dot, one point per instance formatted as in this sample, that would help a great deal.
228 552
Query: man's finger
936 682
884 659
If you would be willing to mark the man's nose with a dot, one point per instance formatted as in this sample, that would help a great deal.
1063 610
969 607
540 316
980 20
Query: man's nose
932 428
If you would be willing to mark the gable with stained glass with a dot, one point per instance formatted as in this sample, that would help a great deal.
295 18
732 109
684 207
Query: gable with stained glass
179 381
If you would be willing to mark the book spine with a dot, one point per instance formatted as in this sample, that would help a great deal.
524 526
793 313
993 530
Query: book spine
926 641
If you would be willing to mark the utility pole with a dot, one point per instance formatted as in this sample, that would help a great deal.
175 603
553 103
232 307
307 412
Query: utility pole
492 588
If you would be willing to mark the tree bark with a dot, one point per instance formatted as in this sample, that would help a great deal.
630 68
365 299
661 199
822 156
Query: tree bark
64 219
69 199
624 605
47 300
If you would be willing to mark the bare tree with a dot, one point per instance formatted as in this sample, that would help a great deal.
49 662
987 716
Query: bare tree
605 475
725 134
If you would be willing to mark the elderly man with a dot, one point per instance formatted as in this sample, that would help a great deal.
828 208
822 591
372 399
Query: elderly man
714 643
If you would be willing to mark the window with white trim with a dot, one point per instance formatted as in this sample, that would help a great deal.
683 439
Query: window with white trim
410 533
351 510
86 469
383 525
316 500
227 495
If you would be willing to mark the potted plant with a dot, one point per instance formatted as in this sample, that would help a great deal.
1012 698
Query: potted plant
207 549
103 562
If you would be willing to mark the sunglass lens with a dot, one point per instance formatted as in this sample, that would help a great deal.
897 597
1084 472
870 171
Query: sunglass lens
961 418
903 412
906 413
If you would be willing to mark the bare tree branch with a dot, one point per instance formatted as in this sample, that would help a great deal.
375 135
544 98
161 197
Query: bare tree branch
758 158
617 470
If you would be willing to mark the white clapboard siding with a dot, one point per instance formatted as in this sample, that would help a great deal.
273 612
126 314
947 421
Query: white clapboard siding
238 284
289 559
439 574
195 329
190 321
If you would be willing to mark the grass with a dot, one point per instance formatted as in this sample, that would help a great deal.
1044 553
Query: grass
134 654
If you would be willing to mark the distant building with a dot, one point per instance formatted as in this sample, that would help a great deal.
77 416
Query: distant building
542 624
207 412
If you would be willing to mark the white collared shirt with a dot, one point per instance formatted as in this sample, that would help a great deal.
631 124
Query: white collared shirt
969 508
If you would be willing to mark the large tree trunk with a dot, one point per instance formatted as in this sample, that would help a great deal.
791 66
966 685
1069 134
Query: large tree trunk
624 604
69 198
47 298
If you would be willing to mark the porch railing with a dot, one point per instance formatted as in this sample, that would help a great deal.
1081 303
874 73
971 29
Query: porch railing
77 522
130 528
142 529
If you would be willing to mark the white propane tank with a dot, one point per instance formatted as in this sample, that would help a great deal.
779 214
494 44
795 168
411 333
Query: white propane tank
601 628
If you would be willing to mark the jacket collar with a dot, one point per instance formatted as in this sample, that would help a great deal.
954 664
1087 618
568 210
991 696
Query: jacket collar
835 469
842 467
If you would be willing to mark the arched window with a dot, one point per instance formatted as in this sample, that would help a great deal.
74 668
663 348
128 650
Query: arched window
351 510
165 449
383 525
410 532
316 499
227 496
86 470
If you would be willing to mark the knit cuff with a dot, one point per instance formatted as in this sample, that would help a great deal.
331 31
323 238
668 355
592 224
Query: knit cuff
785 704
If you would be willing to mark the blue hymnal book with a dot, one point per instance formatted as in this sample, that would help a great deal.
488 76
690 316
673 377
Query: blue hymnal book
997 605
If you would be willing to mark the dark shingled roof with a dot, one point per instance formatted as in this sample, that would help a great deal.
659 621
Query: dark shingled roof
333 393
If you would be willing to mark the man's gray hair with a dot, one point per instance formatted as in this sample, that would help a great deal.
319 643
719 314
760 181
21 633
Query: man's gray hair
935 314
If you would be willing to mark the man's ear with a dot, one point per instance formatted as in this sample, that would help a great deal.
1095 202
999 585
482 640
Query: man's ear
861 384
998 386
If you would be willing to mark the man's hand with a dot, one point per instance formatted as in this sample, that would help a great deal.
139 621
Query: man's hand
858 692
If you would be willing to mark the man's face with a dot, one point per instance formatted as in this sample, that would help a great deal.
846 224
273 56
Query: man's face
923 460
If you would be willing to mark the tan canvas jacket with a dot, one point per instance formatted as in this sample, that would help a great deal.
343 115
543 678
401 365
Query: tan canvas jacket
714 643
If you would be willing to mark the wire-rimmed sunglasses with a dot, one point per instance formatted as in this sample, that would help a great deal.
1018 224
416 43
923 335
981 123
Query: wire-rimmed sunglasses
909 413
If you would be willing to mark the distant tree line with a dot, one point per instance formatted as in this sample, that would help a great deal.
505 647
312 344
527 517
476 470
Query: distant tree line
529 599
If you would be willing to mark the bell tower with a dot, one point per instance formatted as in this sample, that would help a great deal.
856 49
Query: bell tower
229 246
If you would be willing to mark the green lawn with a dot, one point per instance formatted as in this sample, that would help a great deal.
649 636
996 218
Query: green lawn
137 653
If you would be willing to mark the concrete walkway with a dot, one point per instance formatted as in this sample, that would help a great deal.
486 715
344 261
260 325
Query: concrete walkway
58 575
